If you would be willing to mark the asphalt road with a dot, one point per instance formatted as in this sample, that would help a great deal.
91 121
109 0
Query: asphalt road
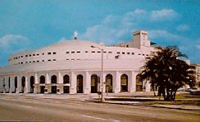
28 109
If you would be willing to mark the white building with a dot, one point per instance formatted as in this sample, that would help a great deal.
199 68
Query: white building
75 66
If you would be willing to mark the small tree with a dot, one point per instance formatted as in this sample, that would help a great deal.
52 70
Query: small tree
166 71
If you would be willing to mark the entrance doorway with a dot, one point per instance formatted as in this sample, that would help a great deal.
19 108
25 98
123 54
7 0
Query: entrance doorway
42 88
66 89
109 86
94 83
54 89
79 84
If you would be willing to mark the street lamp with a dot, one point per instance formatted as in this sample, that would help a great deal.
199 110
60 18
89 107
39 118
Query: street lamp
102 83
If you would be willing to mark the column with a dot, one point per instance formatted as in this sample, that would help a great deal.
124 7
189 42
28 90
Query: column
48 83
87 83
73 83
36 85
60 83
1 85
116 83
18 84
27 85
132 82
148 87
11 84
6 84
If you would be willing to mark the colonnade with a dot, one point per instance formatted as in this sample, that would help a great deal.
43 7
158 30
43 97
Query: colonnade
71 82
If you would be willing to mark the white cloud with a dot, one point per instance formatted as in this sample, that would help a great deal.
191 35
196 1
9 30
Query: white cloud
140 11
153 34
164 15
183 27
13 43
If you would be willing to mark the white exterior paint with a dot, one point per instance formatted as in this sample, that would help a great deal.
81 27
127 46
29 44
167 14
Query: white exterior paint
77 57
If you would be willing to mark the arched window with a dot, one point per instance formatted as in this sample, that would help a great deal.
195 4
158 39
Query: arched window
94 83
139 83
23 84
124 83
66 79
32 82
109 83
42 79
79 84
15 82
53 79
9 82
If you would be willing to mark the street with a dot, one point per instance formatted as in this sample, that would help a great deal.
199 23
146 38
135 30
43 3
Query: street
29 109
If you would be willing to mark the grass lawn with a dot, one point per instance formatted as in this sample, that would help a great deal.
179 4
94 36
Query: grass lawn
181 99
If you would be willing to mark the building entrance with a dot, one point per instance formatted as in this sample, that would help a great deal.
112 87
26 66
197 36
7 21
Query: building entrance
66 89
42 88
54 89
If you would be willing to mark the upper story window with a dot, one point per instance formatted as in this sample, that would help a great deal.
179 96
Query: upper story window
49 53
67 52
109 52
37 54
54 53
21 56
33 61
104 52
54 59
26 55
133 53
118 52
98 51
78 52
139 54
29 61
38 61
86 51
72 51
123 52
42 60
33 54
49 59
93 51
29 55
128 53
42 53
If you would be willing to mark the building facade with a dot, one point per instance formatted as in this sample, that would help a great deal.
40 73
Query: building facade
78 66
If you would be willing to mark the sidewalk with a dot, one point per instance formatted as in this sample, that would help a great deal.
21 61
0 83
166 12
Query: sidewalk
110 98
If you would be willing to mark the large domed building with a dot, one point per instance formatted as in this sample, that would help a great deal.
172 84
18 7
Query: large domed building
78 66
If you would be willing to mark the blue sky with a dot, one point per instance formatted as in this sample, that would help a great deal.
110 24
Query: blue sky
31 24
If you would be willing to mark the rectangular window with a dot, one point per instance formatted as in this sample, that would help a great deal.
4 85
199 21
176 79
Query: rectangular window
49 53
72 51
21 62
78 51
98 51
33 54
38 61
29 61
29 55
93 51
42 60
54 53
49 59
104 52
123 52
54 59
26 62
26 55
42 53
139 54
109 52
33 61
67 59
143 54
72 59
86 51
133 53
37 54
128 53
21 56
118 52
67 52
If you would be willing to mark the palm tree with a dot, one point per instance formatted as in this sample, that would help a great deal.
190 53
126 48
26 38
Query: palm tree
165 70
